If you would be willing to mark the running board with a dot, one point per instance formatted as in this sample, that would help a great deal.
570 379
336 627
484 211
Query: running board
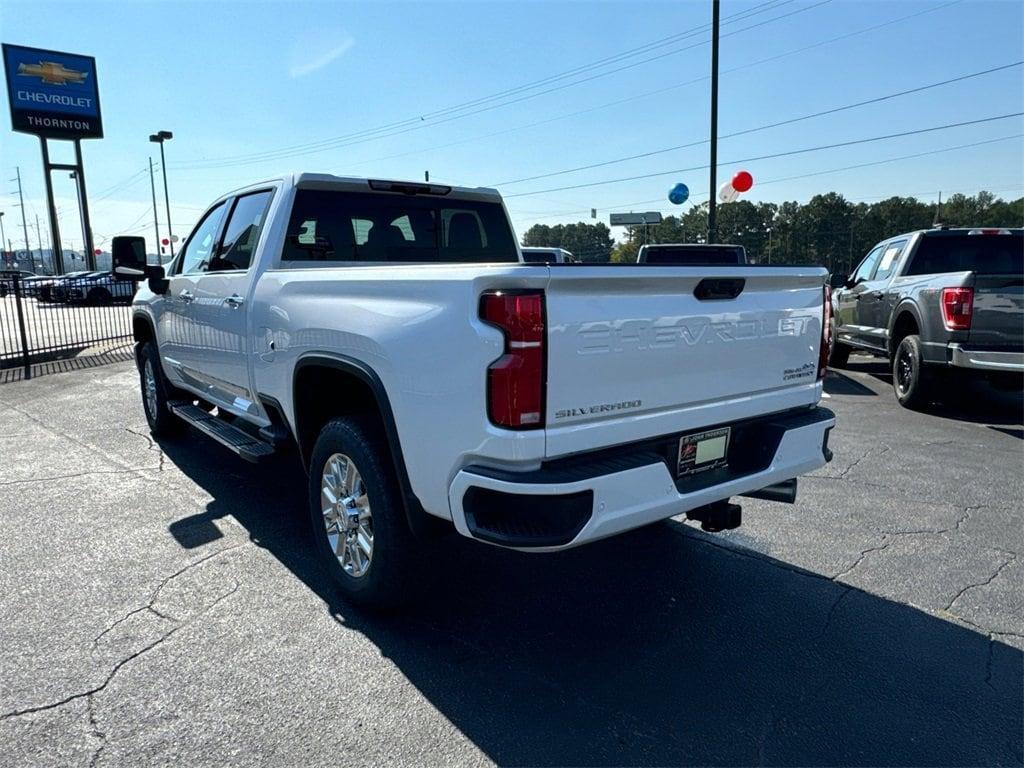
231 437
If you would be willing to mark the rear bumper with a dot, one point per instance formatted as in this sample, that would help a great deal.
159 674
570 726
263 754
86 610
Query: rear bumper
985 360
572 501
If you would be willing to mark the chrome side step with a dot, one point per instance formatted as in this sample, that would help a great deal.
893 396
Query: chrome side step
231 437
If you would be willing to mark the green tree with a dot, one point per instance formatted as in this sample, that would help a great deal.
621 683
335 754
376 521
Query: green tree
587 242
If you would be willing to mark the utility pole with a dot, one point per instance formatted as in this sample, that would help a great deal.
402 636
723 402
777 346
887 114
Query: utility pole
712 223
156 222
24 224
938 208
3 236
39 242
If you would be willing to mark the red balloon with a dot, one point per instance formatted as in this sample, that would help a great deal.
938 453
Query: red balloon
98 251
742 181
165 241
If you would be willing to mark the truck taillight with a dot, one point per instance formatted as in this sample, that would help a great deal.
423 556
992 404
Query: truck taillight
826 333
515 381
957 306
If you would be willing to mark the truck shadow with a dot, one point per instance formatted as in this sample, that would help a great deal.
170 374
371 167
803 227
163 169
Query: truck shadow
975 401
660 647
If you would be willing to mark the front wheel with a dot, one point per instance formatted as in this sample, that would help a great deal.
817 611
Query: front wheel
155 391
910 379
358 518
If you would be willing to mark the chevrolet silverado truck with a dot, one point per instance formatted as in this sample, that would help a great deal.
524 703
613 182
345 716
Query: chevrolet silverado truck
939 304
391 334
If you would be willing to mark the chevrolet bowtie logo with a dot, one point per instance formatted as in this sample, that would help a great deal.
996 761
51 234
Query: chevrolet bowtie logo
52 73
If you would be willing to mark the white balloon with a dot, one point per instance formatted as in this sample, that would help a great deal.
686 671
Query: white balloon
727 193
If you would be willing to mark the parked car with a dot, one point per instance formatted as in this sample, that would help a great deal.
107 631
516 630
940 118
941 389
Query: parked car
938 303
683 254
7 280
48 289
547 256
389 334
96 288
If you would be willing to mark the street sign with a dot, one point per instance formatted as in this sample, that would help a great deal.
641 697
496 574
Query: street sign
632 219
52 94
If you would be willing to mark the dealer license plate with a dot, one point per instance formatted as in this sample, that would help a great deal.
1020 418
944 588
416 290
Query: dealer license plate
703 451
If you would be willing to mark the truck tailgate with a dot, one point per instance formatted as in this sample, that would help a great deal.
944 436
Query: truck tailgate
634 353
998 317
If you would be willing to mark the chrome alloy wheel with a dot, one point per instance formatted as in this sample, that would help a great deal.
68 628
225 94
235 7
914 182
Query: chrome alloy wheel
346 514
149 389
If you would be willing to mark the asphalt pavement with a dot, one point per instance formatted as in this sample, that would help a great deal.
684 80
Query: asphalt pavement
160 607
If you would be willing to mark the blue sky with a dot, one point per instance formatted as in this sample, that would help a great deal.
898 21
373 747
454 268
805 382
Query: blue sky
235 79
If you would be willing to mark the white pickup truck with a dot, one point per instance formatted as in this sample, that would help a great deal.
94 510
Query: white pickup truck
392 335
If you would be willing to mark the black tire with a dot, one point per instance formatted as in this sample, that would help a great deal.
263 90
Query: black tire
910 377
384 584
99 296
839 355
162 423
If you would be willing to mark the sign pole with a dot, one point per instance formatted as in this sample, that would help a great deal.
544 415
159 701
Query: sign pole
55 245
90 251
712 222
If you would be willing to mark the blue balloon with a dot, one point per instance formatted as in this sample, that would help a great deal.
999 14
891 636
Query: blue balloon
679 194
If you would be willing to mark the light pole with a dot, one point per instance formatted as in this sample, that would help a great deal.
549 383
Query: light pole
769 245
3 237
160 137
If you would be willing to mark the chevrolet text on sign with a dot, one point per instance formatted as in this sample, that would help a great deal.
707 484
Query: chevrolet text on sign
52 94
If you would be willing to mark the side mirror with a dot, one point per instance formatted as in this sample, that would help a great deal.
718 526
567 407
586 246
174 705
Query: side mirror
836 280
128 254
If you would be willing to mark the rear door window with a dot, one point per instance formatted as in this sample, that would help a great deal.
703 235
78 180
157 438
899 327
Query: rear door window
378 227
984 254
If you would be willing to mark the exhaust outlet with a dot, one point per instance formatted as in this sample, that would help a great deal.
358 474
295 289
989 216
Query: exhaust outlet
784 492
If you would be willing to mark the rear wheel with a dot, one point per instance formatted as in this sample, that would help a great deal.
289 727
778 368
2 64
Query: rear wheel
155 393
839 355
358 518
99 296
910 379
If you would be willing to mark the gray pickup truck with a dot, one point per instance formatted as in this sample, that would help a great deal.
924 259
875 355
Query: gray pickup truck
937 303
691 254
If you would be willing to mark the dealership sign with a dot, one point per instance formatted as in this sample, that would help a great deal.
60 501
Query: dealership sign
52 94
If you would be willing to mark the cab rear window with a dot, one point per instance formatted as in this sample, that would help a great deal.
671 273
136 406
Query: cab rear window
337 226
984 254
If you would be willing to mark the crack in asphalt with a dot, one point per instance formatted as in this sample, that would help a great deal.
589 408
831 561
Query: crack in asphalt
861 557
163 583
151 445
986 582
876 451
88 693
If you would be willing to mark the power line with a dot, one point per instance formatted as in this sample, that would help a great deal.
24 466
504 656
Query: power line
420 123
772 156
509 91
834 110
856 166
665 89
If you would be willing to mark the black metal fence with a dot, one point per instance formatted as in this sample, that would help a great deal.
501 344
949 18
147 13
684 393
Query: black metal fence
51 318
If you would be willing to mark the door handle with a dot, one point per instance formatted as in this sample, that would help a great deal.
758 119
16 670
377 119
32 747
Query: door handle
876 294
234 301
187 296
